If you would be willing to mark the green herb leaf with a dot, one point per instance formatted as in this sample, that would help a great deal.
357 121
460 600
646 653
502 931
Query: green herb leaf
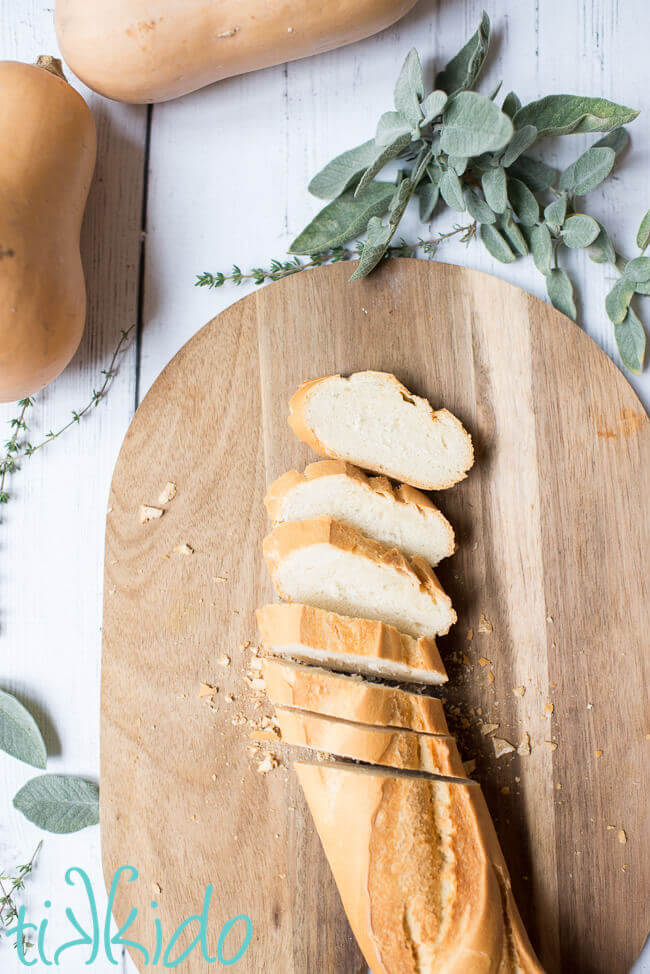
511 104
478 208
588 171
494 186
432 106
560 292
537 175
579 231
458 164
428 196
59 803
618 139
400 199
521 140
472 124
343 219
390 127
637 271
602 249
463 69
382 158
495 244
374 248
339 174
451 191
618 300
523 202
555 213
643 235
513 234
630 340
564 114
409 89
19 733
541 248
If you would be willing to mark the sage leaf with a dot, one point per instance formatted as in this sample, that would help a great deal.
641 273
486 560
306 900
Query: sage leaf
458 164
638 270
541 248
451 191
588 171
59 803
560 291
428 196
523 202
564 114
579 231
463 69
495 244
472 124
630 340
555 213
432 106
478 208
618 139
381 158
617 301
511 104
537 175
513 234
493 182
374 248
521 140
19 733
602 249
398 203
409 89
343 219
643 235
391 126
339 174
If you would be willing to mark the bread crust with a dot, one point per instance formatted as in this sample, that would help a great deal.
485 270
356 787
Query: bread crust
351 698
291 535
420 872
388 746
298 422
291 623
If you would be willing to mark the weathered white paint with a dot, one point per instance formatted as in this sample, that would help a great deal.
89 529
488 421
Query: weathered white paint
227 172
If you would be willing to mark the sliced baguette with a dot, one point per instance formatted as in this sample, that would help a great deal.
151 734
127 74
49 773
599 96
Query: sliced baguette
372 420
363 646
330 565
351 698
389 746
400 517
419 869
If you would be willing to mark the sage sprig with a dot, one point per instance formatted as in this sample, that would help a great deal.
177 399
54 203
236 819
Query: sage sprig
458 148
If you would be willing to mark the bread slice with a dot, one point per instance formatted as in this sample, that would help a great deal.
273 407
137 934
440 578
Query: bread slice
372 420
364 646
330 565
400 517
419 869
390 746
351 698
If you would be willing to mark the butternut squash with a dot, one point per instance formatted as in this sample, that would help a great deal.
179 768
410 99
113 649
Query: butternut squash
154 50
48 156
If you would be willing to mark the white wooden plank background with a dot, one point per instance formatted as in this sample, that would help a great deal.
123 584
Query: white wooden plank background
226 171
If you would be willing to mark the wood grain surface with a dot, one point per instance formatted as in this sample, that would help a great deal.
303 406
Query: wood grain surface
553 528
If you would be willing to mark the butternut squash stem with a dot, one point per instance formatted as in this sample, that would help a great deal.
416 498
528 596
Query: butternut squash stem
51 64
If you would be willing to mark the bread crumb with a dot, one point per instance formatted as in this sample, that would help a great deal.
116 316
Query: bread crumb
501 747
229 33
470 635
610 828
183 549
268 763
549 708
524 747
157 888
219 578
229 698
168 493
622 836
552 745
207 690
224 660
484 661
549 618
487 729
519 691
147 513
505 790
491 677
484 624
599 753
590 706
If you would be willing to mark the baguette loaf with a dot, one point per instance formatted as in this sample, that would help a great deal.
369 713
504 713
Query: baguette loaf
362 646
351 698
400 517
372 420
419 869
389 746
330 565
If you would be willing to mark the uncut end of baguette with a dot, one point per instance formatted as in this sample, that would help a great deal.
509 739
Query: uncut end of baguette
373 421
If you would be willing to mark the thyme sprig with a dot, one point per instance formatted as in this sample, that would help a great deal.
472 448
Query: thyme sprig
10 886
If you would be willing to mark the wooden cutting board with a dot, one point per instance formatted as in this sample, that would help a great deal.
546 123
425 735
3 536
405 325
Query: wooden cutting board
553 527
